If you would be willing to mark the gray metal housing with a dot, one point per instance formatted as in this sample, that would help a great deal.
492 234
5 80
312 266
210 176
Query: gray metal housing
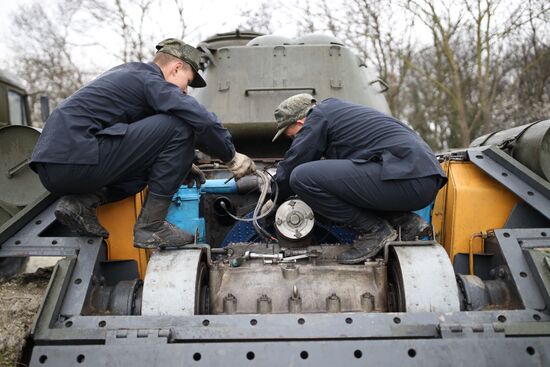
66 334
71 330
247 82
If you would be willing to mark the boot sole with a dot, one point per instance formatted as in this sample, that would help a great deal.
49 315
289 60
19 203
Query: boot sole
362 258
424 232
371 254
72 221
165 246
145 246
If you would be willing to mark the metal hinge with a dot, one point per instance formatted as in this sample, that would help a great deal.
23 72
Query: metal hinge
139 336
471 330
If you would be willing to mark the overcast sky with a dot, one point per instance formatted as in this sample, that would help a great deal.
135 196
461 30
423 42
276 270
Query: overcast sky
204 18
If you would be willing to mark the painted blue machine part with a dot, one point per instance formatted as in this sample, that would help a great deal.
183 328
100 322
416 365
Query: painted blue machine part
245 232
219 186
184 212
425 213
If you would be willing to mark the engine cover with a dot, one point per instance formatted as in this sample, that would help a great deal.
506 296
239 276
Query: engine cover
309 284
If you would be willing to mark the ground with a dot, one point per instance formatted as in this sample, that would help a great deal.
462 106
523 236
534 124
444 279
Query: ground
20 298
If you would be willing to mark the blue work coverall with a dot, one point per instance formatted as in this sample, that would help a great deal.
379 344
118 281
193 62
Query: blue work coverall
372 163
124 130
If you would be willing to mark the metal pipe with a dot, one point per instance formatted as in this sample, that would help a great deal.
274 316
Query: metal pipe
529 144
483 235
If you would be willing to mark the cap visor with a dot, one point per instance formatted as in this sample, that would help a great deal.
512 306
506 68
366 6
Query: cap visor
198 81
279 133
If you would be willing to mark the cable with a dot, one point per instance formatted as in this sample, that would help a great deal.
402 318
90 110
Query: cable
258 208
258 217
263 175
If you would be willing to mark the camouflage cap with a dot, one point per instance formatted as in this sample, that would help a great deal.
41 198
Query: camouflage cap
291 110
184 52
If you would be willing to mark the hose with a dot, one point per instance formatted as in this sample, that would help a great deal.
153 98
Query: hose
266 178
482 235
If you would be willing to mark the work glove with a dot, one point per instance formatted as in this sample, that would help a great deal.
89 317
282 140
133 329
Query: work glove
196 176
241 165
266 207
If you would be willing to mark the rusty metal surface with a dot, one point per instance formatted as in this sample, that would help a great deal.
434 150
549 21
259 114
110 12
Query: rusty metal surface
308 284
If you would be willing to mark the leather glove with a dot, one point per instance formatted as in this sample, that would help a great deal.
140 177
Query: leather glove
266 207
196 176
241 165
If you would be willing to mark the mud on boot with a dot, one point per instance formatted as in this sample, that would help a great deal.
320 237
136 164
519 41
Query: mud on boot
78 212
153 231
368 244
413 226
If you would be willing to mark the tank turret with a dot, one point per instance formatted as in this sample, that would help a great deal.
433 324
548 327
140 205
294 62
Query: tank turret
249 74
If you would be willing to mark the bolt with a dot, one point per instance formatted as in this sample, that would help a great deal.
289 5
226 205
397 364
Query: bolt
294 219
263 304
230 304
367 302
333 303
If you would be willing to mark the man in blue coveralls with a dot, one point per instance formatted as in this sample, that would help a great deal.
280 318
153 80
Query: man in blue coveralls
133 126
374 172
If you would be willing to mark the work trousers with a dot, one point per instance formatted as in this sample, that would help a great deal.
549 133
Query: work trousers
157 151
354 193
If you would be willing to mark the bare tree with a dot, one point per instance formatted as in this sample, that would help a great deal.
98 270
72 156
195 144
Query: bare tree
468 66
260 19
452 85
527 93
181 17
369 27
127 19
45 62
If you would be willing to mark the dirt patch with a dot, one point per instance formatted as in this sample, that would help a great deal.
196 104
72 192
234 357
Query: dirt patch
20 298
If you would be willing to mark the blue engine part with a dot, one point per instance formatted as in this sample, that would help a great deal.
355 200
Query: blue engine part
219 186
425 213
184 210
184 213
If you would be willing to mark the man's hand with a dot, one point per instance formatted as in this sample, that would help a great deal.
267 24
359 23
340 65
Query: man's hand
241 165
196 176
266 207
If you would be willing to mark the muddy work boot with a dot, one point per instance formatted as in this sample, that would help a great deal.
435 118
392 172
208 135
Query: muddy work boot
368 244
413 226
78 212
153 231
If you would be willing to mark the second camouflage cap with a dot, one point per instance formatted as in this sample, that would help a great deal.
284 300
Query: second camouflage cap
184 52
291 110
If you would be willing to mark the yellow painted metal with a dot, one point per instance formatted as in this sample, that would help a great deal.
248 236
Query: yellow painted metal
119 219
471 203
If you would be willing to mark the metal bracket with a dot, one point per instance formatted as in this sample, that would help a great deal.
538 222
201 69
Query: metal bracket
406 243
514 244
385 87
277 89
448 331
139 336
513 175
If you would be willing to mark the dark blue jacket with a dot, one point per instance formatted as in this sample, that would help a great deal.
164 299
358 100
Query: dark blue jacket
336 129
120 96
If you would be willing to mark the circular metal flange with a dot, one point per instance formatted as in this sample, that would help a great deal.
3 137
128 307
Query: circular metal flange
294 219
422 280
20 185
174 283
